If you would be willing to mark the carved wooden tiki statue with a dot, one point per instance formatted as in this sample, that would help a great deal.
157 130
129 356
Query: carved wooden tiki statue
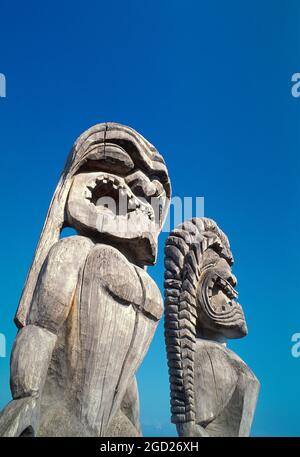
89 310
213 392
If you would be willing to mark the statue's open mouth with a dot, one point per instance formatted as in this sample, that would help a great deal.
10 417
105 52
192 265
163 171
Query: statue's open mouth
221 293
111 195
219 303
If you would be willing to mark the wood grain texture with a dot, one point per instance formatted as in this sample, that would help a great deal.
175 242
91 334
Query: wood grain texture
89 310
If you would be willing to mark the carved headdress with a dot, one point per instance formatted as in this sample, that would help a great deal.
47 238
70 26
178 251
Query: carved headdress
199 301
96 149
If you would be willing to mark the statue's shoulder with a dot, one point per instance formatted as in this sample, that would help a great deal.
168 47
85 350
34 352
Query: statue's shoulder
242 367
70 248
114 273
217 373
215 379
57 281
221 356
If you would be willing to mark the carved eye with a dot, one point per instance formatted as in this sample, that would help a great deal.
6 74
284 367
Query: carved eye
159 187
141 185
109 157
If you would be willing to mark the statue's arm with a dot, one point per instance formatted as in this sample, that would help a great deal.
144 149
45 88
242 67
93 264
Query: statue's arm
51 303
34 344
131 406
57 281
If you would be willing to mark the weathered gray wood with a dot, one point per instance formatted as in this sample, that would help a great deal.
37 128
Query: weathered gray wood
89 310
213 392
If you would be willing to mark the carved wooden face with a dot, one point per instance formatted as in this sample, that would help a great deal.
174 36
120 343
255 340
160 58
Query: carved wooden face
217 305
114 197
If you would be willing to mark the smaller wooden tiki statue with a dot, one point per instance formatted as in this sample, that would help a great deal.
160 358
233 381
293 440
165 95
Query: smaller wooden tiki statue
213 392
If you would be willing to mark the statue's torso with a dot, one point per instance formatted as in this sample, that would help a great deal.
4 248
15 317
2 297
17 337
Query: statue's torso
223 383
113 315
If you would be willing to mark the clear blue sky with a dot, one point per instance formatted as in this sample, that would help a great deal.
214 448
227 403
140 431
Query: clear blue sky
208 83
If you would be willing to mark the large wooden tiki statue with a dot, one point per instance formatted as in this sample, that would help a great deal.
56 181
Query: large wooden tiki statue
213 392
89 310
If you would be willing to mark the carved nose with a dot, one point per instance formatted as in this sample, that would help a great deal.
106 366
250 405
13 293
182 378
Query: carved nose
244 329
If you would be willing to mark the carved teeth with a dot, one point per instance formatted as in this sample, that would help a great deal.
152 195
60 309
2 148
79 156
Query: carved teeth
118 184
224 285
131 204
